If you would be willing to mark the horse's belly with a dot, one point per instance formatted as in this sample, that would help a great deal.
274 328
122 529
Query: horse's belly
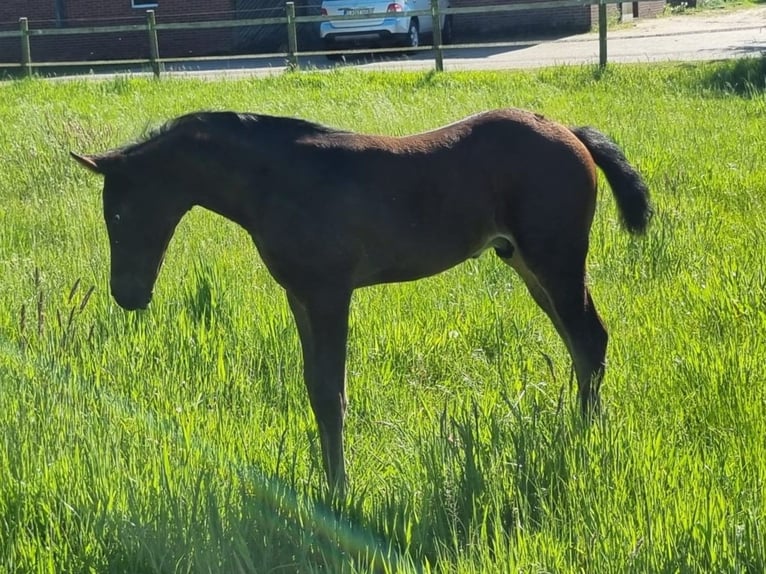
418 260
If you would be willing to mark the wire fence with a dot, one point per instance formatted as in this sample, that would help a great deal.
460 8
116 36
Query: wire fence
288 20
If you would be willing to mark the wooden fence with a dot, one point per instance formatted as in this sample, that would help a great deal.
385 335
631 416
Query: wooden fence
290 21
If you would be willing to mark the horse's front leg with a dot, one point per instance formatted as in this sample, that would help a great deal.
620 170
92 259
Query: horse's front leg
322 320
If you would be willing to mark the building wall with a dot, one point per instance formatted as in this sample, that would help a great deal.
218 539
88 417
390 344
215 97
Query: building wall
12 10
126 45
612 13
629 10
519 22
539 22
650 9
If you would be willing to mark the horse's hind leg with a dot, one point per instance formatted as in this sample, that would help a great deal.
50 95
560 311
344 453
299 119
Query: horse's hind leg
557 284
587 338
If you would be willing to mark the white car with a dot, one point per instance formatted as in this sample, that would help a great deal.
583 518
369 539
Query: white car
387 29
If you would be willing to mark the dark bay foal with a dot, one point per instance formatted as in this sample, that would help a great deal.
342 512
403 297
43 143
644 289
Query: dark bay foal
330 211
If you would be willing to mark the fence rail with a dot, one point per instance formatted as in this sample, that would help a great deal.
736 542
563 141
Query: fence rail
290 21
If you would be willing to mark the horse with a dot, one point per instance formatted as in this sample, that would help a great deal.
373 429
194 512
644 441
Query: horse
331 211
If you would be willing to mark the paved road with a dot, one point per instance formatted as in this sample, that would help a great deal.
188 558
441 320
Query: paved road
709 35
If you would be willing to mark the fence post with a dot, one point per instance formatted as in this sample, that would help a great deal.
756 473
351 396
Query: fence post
436 20
154 47
292 37
26 51
602 34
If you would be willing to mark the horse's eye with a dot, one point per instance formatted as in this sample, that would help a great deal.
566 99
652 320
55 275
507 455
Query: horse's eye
116 217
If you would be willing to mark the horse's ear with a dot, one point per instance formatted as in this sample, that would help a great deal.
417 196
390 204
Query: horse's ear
87 161
95 163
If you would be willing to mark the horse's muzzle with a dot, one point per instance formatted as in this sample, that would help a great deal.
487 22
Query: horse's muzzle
132 303
131 297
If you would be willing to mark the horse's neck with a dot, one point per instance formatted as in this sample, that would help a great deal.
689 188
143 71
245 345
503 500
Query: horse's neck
223 188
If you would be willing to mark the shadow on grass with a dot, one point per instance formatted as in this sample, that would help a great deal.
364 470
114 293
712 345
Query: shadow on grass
260 526
484 475
743 76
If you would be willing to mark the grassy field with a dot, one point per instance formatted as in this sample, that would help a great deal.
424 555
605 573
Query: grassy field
179 439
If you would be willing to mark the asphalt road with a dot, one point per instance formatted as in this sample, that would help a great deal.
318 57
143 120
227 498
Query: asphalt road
709 35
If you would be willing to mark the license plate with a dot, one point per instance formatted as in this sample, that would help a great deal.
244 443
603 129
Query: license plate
357 11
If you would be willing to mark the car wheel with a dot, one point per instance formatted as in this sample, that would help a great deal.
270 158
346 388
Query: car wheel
413 35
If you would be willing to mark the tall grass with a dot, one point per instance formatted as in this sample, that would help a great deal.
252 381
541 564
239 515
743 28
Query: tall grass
180 439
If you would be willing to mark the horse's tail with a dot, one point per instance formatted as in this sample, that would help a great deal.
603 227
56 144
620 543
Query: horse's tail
628 187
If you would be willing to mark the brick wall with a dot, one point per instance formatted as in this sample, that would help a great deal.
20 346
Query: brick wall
645 9
127 45
519 22
650 9
538 22
612 13
10 12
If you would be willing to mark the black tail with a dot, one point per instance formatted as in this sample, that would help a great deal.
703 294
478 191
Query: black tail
628 187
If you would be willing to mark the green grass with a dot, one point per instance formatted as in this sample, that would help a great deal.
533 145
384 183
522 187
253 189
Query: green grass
180 440
676 7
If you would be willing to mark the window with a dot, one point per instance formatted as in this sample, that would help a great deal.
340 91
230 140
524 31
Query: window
144 3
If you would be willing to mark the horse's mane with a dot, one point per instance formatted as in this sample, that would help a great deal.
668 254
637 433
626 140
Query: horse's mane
227 124
242 121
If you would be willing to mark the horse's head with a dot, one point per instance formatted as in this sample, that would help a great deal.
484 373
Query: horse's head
140 218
